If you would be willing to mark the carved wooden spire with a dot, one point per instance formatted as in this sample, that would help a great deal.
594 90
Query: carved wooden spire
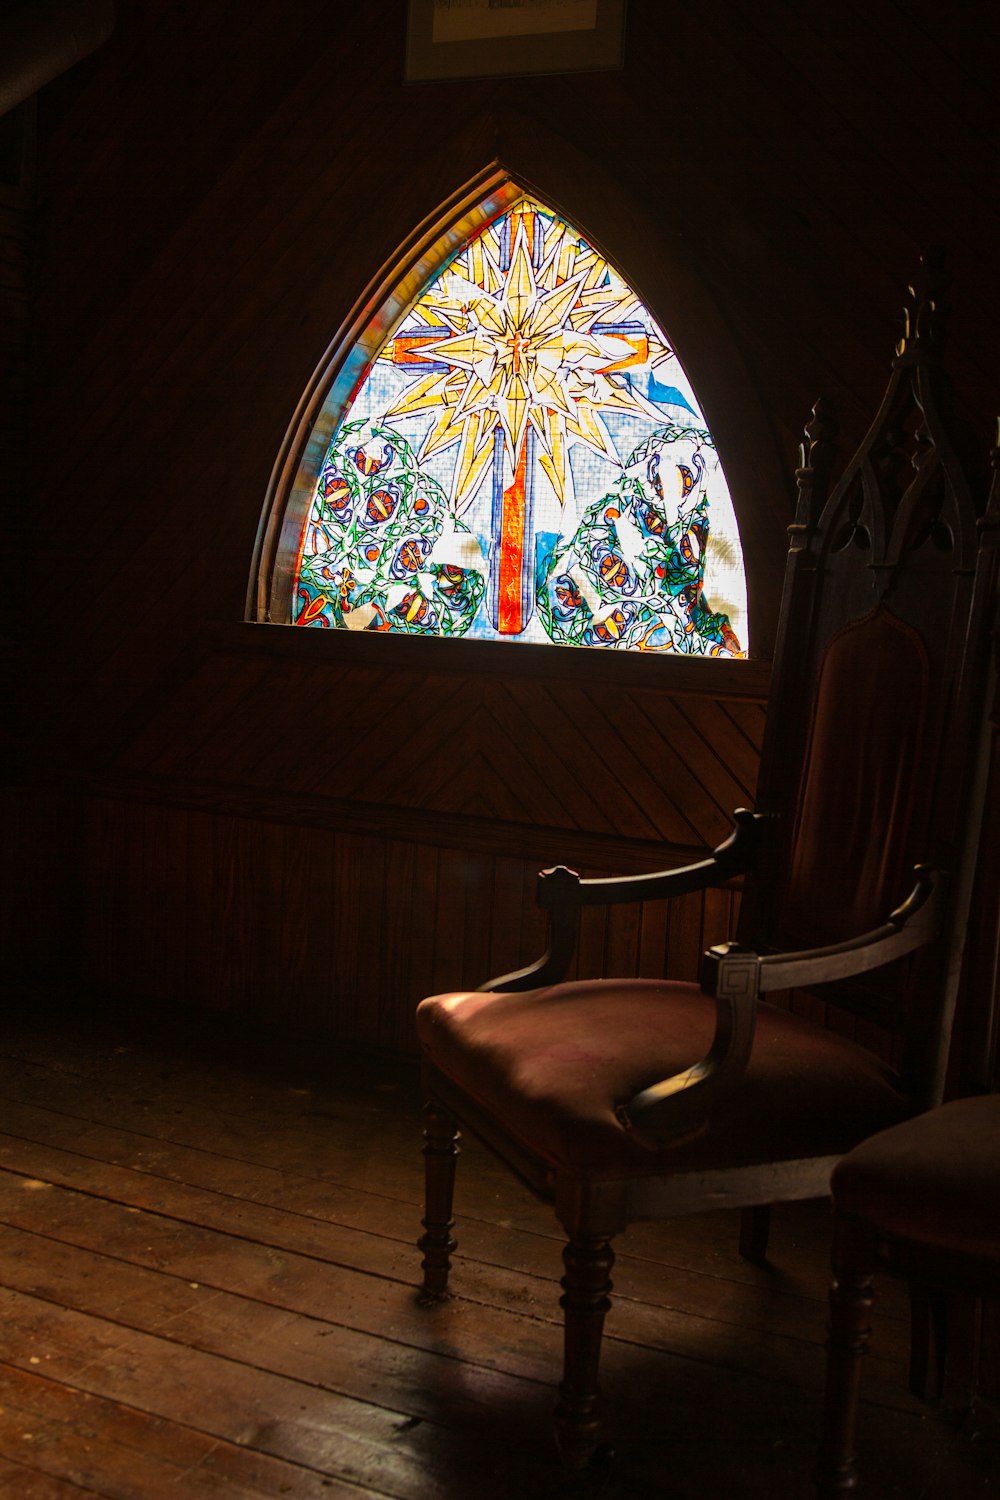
922 312
812 477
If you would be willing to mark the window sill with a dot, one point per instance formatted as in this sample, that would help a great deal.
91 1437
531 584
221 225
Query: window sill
634 669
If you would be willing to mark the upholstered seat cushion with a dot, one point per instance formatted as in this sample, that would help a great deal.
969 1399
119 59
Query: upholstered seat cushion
935 1179
552 1066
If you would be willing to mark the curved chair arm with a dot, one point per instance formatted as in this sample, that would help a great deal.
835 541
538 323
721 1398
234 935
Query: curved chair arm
735 977
564 894
908 927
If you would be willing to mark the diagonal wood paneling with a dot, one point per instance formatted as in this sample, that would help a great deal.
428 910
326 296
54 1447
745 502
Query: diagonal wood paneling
623 761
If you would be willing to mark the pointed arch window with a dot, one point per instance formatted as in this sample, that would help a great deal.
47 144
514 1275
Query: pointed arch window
510 450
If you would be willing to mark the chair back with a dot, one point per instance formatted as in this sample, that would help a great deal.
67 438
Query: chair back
879 695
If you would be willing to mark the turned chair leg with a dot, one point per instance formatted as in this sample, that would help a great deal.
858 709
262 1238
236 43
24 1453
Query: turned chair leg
585 1301
850 1330
441 1152
755 1229
928 1341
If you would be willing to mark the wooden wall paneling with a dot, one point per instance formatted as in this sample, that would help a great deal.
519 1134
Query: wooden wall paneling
42 909
590 948
226 77
16 205
246 951
476 879
482 768
713 727
791 123
300 925
145 558
460 879
641 760
173 735
749 717
470 780
867 206
558 750
518 927
393 739
654 926
136 932
709 788
685 936
341 932
427 899
719 915
652 719
622 943
254 915
758 216
531 721
908 61
263 728
216 920
367 975
298 728
407 970
102 953
599 749
17 210
337 731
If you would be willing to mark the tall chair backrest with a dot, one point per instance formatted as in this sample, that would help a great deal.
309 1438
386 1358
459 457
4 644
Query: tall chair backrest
870 757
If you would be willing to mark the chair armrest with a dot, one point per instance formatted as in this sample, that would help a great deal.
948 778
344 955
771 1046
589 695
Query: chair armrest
564 894
733 856
908 927
736 977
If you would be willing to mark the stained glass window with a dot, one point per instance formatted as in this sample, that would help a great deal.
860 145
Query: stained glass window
525 460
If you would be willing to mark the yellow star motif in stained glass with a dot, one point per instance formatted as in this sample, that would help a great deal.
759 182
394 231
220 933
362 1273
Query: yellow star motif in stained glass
525 347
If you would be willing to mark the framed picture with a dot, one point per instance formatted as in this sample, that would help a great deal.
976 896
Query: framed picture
482 38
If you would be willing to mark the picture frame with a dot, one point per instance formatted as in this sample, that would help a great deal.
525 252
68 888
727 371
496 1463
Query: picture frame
466 39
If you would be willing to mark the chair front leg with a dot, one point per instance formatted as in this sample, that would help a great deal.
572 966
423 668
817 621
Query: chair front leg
441 1151
588 1260
755 1229
928 1341
849 1332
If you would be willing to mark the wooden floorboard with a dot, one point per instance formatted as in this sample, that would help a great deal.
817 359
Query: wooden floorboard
207 1279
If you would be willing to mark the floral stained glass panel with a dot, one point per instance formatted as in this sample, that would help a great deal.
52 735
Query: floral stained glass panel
525 460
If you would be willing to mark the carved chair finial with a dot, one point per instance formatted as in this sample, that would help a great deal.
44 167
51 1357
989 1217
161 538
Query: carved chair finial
922 313
817 450
812 477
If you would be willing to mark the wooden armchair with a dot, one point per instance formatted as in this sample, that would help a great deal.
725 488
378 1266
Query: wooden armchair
619 1100
921 1200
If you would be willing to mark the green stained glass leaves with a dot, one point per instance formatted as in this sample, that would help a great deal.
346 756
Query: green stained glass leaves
385 551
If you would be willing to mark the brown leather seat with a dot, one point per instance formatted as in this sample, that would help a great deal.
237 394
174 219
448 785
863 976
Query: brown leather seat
935 1179
559 1089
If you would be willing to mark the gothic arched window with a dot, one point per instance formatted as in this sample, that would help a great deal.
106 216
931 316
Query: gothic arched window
512 451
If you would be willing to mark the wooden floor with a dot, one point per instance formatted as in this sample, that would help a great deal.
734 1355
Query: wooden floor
207 1281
